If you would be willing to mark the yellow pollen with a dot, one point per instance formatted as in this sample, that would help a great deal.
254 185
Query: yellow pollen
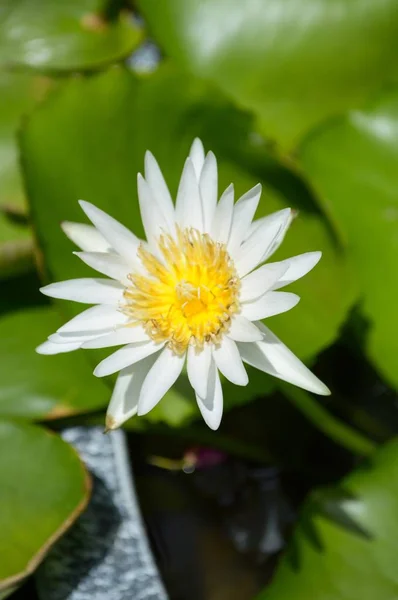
188 293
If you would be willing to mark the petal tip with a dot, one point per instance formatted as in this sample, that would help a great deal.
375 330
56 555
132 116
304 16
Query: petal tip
40 349
141 411
197 142
323 390
88 208
98 371
46 289
65 226
110 424
213 421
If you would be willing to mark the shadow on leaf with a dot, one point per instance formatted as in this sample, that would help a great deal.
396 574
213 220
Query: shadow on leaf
330 503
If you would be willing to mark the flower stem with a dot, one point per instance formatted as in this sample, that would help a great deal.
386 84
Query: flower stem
339 432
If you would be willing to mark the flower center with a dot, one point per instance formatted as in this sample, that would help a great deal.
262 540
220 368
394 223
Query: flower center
188 294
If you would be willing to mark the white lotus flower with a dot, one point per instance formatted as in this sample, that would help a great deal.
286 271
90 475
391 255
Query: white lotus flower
192 293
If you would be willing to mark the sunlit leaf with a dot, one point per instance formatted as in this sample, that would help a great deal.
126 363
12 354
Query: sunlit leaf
352 162
292 62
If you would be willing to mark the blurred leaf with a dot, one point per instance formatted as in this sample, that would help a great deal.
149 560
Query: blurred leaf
334 562
57 36
330 502
352 162
16 256
44 487
5 593
292 63
42 387
92 136
18 94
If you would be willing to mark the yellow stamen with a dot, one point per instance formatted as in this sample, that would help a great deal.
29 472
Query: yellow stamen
188 294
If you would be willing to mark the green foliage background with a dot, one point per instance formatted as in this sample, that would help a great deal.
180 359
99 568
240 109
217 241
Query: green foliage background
300 95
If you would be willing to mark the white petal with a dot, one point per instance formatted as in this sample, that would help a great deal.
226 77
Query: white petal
244 211
261 280
197 156
165 371
159 189
243 330
119 237
124 401
269 219
198 364
256 248
208 187
124 357
85 236
51 348
268 305
296 267
222 221
94 319
211 404
124 335
80 337
87 290
188 204
112 265
273 357
229 362
286 219
152 218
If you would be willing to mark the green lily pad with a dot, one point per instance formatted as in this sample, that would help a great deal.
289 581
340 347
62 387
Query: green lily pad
291 63
33 386
352 163
345 545
58 36
18 94
44 487
92 136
